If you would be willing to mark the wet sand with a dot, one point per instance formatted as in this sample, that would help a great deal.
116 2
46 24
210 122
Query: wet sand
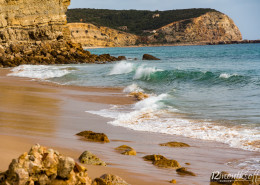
38 112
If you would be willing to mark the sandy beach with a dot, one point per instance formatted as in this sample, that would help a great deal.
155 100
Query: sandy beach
39 112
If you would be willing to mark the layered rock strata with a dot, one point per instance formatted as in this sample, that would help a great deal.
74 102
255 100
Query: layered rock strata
90 35
36 32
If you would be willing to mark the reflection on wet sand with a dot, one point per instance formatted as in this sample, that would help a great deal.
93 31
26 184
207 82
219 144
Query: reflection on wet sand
24 111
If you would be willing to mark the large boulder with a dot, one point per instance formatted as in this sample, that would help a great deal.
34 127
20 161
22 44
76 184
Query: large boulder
44 166
108 179
126 150
92 136
149 57
89 158
163 162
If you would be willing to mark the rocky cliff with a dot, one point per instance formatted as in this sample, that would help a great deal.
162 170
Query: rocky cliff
210 27
33 20
36 32
90 35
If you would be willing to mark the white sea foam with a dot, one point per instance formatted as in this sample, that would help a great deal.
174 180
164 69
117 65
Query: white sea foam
226 75
143 72
250 164
132 88
39 71
122 68
152 115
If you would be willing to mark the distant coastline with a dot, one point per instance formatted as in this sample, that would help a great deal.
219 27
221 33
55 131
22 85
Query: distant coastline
183 44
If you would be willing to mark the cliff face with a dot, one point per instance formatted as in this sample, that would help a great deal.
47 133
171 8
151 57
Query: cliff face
90 35
36 32
210 27
33 20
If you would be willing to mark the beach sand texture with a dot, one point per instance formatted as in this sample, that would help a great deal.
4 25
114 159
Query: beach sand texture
39 112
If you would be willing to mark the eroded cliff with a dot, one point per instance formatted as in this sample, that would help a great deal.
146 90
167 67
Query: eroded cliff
90 35
36 32
33 20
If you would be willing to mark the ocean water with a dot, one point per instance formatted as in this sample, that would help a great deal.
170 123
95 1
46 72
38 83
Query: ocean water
204 92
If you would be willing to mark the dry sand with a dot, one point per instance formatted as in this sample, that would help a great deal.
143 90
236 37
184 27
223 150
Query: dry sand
38 112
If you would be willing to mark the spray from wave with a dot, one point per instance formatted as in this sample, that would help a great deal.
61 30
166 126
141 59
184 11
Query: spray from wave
122 68
145 73
42 72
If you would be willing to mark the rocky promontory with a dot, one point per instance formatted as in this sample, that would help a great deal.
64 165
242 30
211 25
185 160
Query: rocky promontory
36 32
93 27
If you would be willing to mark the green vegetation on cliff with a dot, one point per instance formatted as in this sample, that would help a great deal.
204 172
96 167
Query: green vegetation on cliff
136 21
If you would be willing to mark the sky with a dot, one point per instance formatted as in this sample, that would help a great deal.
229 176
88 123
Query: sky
245 13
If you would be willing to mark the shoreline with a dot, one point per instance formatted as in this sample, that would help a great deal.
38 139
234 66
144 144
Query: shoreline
62 110
179 44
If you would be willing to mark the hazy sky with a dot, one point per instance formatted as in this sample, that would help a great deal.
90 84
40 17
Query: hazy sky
245 13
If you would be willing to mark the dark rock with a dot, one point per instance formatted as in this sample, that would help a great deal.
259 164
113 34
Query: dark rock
121 58
92 136
149 57
184 171
163 162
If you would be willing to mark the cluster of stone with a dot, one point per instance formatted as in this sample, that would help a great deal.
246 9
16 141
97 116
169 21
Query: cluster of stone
49 52
44 166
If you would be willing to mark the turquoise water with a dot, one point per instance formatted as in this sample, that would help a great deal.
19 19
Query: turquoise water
213 82
205 92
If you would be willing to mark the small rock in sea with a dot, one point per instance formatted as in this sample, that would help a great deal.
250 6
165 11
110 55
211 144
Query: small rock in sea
187 163
184 171
173 181
89 158
108 179
95 137
45 167
163 162
139 95
175 144
149 57
126 150
121 58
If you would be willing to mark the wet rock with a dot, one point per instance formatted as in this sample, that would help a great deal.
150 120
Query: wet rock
89 158
126 150
139 95
175 144
173 181
121 58
149 57
44 166
187 163
92 136
163 162
108 179
184 171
